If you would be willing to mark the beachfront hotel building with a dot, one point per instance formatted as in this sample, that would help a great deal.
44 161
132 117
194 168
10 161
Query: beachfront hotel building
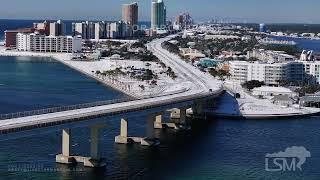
11 36
40 43
80 29
101 30
270 73
89 30
130 13
158 14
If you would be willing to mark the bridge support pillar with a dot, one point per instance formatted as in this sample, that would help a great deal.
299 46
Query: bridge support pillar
93 161
150 132
197 109
65 157
179 118
183 116
123 137
149 140
158 122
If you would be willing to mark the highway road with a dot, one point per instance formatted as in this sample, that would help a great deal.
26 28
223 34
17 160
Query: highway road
200 81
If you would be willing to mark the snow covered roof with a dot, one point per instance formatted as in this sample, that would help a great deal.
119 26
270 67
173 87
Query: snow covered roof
197 55
273 89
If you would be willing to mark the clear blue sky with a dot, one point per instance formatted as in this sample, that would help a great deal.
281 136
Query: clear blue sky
290 11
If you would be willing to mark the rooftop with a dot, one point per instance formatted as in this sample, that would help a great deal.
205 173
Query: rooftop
273 89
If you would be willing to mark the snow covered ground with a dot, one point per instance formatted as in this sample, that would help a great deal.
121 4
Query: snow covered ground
165 84
188 77
249 106
190 80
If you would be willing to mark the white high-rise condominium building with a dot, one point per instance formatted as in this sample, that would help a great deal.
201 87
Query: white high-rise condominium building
41 43
57 28
158 14
269 73
100 30
80 29
22 42
312 71
117 30
90 30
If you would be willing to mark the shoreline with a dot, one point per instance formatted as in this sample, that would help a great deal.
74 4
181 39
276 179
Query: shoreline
294 37
263 116
110 85
55 56
248 107
65 59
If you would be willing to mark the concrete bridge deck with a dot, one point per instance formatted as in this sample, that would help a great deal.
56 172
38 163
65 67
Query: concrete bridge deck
19 124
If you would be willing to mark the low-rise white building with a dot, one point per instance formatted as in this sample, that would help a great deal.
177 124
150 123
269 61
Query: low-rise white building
269 73
267 55
267 91
41 43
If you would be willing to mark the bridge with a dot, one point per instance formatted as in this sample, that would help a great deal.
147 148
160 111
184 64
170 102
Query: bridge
203 89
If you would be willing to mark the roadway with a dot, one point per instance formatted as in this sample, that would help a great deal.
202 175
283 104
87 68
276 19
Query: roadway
201 87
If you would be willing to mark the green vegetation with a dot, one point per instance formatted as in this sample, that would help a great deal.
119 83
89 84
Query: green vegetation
147 56
138 45
114 72
171 73
252 84
171 47
253 59
309 89
219 73
213 47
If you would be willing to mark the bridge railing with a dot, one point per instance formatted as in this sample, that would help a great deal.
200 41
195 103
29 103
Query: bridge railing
71 107
62 108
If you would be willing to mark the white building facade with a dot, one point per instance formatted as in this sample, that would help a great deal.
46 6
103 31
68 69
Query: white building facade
267 55
312 71
41 43
269 73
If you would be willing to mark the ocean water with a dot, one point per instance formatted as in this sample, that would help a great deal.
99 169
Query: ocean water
303 43
213 149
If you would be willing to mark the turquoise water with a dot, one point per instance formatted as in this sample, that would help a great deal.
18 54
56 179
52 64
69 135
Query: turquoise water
32 83
213 149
